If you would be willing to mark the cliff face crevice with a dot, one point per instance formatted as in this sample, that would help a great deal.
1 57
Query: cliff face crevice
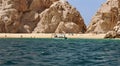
39 16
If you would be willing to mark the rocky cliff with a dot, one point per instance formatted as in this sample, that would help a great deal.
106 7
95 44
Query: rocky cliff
106 17
39 16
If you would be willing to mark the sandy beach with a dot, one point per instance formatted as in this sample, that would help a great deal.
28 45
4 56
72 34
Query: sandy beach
50 35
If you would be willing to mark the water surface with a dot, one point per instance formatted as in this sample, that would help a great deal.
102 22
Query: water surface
59 52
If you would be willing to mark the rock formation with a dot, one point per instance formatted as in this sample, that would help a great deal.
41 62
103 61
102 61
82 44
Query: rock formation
115 33
106 18
60 18
39 16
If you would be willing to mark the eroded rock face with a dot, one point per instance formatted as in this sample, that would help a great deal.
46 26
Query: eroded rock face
40 5
60 18
106 18
115 33
110 34
39 16
9 17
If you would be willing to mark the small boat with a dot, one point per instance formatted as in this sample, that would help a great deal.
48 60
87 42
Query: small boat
59 36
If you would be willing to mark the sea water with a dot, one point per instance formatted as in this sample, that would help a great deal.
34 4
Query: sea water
59 52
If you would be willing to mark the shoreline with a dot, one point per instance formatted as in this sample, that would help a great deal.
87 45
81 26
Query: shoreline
50 35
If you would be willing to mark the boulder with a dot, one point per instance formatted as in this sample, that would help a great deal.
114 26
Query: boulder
111 34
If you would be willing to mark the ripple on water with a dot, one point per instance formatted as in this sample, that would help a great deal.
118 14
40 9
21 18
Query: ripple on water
50 52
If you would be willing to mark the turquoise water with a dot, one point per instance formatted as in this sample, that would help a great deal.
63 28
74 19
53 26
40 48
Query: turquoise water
59 52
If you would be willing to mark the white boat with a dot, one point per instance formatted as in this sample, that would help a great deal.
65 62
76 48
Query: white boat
59 36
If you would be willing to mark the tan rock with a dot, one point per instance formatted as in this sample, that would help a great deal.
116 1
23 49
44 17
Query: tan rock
10 16
106 18
60 17
116 28
115 33
40 5
29 21
68 27
39 16
111 34
10 19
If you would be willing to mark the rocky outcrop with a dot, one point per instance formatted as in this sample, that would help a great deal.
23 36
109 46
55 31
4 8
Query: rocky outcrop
39 16
106 18
18 16
60 18
115 33
111 34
